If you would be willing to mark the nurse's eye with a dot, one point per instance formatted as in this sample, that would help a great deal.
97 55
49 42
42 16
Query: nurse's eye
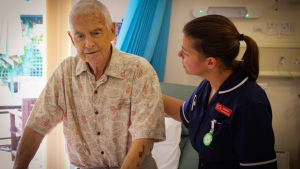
184 53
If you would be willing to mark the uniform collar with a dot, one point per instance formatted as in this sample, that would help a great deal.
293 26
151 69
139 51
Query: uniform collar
114 69
235 80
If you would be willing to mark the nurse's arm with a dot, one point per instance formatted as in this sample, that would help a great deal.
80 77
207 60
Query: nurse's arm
172 107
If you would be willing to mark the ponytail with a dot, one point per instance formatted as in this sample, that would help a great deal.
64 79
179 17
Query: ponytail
216 36
251 58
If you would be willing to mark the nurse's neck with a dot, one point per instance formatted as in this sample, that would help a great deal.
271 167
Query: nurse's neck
216 78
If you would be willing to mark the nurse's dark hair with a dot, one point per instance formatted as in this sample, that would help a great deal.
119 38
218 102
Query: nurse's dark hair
216 36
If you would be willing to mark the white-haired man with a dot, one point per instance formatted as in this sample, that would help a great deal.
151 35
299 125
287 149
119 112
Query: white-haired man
109 101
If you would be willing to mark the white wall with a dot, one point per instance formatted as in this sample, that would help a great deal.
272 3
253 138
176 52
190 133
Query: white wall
282 92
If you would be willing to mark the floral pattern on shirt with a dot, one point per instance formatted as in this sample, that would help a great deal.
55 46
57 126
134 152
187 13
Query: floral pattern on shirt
101 118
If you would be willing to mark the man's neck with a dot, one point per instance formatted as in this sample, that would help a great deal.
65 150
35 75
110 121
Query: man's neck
98 69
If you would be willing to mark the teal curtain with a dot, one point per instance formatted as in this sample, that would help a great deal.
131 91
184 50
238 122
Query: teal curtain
145 31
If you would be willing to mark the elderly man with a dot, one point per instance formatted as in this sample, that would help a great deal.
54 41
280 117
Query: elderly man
109 101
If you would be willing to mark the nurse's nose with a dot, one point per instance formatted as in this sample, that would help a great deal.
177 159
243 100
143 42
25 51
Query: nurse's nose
180 54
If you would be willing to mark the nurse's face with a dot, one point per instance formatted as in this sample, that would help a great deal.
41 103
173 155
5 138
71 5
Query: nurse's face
193 62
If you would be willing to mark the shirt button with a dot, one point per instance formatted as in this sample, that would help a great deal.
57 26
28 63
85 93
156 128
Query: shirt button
95 92
98 133
102 152
96 112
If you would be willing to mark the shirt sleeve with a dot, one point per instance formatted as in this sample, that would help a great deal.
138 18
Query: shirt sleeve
147 111
253 136
47 111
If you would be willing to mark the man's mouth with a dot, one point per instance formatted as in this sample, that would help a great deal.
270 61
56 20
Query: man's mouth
91 52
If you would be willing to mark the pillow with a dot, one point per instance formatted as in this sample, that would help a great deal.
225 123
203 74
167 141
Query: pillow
167 153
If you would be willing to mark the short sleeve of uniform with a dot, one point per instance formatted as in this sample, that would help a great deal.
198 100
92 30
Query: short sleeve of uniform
147 111
253 136
185 111
47 111
186 107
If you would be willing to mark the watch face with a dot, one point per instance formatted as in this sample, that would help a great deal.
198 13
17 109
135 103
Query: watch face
207 139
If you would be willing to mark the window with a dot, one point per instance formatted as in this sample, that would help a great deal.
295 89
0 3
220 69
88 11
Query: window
28 73
29 67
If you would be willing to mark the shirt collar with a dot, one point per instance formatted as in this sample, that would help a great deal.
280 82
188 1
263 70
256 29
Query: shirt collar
81 66
114 69
235 80
116 65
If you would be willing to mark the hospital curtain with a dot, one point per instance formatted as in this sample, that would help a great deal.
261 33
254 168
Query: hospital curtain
58 48
145 31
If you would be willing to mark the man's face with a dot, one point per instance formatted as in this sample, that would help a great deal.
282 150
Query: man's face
91 37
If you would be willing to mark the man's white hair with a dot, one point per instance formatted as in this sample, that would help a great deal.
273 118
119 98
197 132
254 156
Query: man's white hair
87 6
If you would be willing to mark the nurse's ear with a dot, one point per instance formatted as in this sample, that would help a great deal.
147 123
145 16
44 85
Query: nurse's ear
211 62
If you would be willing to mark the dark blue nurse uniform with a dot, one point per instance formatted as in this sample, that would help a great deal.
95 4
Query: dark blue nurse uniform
243 136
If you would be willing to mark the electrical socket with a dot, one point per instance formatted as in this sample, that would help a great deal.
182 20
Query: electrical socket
286 28
279 27
281 61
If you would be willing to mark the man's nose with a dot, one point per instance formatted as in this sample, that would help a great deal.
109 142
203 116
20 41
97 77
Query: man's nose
89 42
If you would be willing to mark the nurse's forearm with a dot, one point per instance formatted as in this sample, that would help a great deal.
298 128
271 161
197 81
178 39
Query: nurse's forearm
172 107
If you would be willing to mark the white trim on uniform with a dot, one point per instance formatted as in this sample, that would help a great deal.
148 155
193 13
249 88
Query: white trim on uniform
183 113
259 163
229 90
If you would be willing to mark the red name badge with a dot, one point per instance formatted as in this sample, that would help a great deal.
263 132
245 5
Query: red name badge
224 110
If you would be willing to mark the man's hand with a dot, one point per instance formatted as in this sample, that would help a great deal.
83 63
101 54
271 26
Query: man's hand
29 144
138 151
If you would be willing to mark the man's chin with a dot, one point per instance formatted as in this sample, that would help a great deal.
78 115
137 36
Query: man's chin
93 61
91 58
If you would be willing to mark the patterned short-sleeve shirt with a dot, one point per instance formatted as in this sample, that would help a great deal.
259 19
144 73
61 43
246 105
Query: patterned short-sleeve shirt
101 118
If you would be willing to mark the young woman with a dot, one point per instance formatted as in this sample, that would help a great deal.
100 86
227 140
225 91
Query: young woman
229 116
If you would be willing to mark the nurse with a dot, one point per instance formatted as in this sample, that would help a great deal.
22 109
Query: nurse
229 116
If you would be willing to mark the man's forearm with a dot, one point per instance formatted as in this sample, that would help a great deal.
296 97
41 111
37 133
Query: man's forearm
29 144
137 153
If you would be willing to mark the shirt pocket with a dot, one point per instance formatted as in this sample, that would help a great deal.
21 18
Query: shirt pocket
111 106
221 130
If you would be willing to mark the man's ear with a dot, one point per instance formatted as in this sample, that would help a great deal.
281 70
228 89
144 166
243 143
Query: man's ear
69 33
211 62
113 31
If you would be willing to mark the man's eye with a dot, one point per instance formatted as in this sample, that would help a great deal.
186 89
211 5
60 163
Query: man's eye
79 36
96 33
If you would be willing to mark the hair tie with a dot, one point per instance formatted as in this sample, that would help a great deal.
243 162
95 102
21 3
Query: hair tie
241 38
